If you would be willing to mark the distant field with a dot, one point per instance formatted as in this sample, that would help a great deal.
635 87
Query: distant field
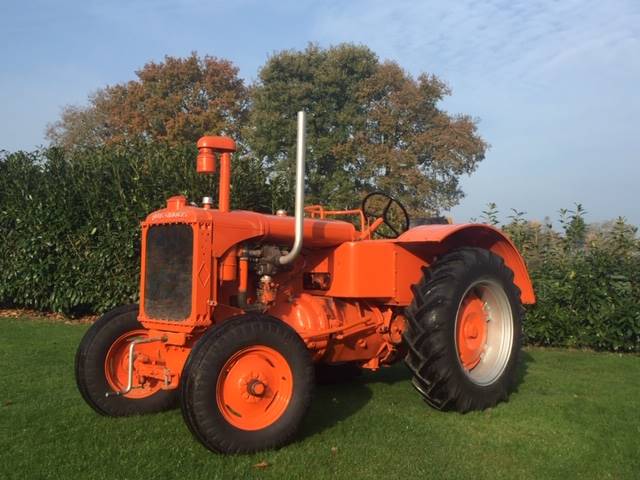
575 415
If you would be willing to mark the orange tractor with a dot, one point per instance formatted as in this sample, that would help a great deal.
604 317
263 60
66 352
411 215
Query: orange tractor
238 309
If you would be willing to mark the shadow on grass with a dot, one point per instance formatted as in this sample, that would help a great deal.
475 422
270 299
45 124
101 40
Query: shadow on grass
523 367
389 375
336 402
333 404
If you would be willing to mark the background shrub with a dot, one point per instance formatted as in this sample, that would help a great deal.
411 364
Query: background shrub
586 280
69 230
69 221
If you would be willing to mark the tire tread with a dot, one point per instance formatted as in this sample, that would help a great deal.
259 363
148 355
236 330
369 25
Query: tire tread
431 356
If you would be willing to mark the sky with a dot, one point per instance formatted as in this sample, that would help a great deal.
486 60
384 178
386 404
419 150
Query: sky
554 84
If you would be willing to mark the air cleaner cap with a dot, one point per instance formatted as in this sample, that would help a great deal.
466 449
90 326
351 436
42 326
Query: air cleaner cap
217 144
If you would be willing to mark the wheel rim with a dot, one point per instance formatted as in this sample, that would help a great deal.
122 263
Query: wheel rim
116 366
254 388
484 332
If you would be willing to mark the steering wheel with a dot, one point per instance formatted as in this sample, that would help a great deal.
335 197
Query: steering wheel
371 208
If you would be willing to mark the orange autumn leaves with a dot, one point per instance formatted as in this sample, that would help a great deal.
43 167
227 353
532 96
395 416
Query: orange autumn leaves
372 126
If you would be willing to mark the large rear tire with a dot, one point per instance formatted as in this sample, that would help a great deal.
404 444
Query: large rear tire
464 331
101 367
247 385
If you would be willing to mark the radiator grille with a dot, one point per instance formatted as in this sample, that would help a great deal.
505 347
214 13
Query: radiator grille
168 265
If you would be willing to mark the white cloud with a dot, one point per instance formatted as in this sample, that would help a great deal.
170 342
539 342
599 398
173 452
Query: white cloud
554 82
498 41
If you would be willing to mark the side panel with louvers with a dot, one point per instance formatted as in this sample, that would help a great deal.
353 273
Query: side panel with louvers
169 265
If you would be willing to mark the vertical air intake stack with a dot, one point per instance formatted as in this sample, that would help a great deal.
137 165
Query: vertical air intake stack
206 163
299 207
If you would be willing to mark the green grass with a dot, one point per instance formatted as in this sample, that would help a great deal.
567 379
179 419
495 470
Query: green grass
575 415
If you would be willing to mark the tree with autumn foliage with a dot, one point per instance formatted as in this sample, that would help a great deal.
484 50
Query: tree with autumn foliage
175 101
371 126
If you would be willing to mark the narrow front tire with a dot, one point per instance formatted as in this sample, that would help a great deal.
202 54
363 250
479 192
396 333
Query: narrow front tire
101 366
247 385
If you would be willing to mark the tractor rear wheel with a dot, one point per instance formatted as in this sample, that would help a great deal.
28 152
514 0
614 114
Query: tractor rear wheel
464 331
101 366
247 385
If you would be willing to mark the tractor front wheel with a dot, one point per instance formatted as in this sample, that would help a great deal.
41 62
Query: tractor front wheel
463 332
102 366
247 385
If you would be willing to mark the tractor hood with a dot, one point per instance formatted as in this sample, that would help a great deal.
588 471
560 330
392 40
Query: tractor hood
241 225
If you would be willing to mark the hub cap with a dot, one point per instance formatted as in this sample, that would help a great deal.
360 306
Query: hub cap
472 331
484 332
254 388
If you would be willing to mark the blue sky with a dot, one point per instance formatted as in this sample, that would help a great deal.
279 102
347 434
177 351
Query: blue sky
555 84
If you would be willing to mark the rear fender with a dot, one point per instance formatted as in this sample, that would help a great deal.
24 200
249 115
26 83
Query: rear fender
445 238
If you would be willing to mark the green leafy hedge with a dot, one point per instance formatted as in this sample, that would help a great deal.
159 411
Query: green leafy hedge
69 241
69 221
588 300
586 280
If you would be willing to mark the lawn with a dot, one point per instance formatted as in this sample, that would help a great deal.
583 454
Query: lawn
575 415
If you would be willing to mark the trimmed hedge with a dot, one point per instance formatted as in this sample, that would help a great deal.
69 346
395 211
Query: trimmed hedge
69 222
586 280
589 300
69 230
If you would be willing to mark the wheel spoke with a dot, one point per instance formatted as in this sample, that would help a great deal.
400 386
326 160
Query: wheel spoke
386 208
392 229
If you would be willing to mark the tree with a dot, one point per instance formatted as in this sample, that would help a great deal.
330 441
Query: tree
174 101
371 127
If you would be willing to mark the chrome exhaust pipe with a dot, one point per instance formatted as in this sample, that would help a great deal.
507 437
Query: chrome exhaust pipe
299 210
